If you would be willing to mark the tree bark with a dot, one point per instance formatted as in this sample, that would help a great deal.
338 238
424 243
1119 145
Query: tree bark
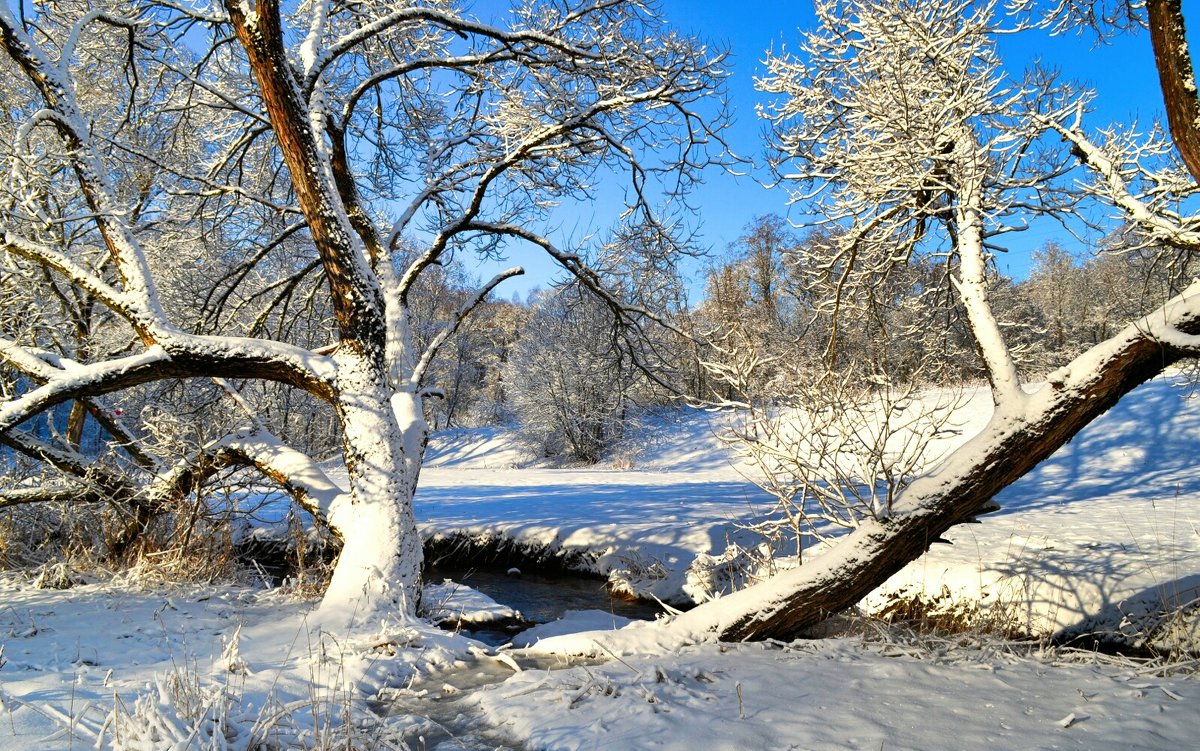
1177 78
75 421
961 488
357 301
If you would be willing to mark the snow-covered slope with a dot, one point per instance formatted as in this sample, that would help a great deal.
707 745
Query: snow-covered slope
1106 533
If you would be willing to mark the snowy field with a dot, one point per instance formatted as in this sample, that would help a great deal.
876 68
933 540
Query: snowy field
1103 536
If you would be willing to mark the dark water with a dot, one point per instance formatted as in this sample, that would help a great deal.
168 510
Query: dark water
541 598
437 712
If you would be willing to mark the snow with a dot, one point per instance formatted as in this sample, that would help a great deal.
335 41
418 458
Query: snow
630 520
573 622
70 652
1106 530
1106 533
477 448
842 694
1108 527
451 602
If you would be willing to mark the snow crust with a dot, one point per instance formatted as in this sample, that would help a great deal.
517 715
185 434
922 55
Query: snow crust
449 601
573 622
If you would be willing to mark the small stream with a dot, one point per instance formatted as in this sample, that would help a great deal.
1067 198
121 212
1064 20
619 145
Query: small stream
540 598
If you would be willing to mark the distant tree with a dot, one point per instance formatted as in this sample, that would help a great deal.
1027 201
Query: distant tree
749 288
1057 285
499 332
1080 302
751 302
466 368
569 380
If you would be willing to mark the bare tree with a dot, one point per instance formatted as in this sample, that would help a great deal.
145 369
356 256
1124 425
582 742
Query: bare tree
570 379
335 129
1056 286
900 124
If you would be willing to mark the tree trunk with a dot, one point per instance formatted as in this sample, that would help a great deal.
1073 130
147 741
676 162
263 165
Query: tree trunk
1176 78
1018 437
377 575
75 423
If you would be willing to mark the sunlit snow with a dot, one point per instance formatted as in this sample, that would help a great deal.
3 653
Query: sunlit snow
1103 535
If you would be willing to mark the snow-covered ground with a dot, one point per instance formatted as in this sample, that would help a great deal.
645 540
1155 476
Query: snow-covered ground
843 694
1105 532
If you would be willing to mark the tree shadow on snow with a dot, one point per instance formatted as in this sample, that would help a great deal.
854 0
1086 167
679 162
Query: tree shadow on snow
671 515
1148 441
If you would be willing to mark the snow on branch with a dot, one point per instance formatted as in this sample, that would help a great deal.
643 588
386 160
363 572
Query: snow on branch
1163 327
295 471
39 363
87 19
59 493
88 380
92 284
190 356
972 286
64 459
1172 231
92 481
450 22
58 92
1171 337
316 34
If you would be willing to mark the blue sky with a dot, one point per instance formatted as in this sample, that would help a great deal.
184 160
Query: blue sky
1122 72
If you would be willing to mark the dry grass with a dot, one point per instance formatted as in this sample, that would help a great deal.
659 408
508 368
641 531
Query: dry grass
943 613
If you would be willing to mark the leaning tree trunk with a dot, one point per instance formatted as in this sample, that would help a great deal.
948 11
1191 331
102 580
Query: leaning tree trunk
377 575
1176 78
1015 440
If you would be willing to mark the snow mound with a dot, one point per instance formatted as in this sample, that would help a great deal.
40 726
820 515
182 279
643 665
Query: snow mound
572 622
451 602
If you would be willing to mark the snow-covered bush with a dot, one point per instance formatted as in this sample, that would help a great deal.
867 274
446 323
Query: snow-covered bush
179 711
709 576
836 449
37 535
